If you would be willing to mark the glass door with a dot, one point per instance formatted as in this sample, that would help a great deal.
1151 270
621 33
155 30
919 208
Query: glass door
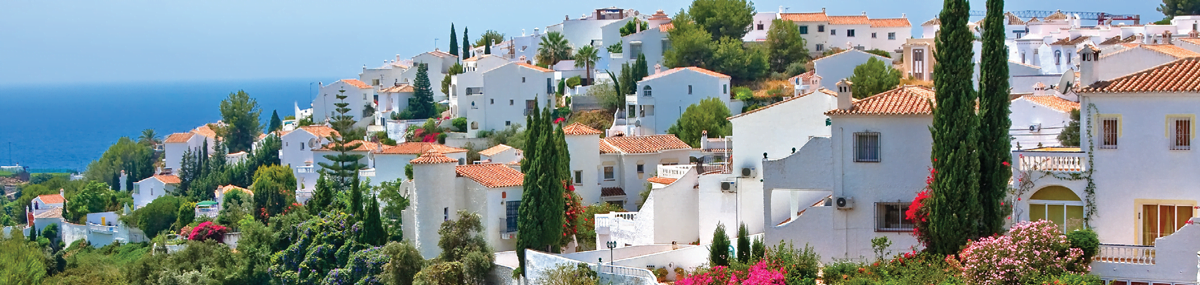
1162 220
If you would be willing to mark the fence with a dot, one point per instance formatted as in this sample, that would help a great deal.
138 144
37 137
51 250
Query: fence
1126 254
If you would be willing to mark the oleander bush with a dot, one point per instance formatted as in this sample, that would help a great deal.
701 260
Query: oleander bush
1029 250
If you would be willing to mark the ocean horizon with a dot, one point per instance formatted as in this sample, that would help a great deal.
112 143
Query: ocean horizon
67 126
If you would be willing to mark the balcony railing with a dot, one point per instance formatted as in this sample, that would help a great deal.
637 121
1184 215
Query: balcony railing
1050 161
367 172
673 171
1126 254
102 229
305 169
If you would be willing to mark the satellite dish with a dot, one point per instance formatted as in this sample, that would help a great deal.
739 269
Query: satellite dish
1064 83
637 123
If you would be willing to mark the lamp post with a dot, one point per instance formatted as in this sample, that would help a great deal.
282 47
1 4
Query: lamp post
611 245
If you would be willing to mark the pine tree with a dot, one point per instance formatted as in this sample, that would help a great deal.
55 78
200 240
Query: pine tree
743 244
420 106
994 144
322 196
454 41
373 232
466 47
954 209
276 123
343 166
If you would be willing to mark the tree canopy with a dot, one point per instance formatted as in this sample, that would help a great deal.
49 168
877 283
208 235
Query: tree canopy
723 18
240 113
420 106
1070 134
995 143
785 45
873 77
586 58
709 115
540 215
453 41
489 36
1172 8
276 123
694 45
632 27
136 159
553 48
274 190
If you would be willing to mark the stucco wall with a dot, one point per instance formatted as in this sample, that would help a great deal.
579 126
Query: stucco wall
840 66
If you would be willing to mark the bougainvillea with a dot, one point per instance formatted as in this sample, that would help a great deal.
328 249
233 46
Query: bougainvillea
761 273
1030 250
918 211
208 231
572 214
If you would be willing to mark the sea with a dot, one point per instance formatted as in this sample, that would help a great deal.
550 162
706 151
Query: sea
63 127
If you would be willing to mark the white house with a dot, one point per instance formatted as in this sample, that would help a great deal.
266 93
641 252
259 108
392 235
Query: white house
152 187
394 99
366 149
823 32
501 153
358 95
176 144
389 74
44 203
836 193
390 161
662 97
587 29
506 95
1037 119
470 82
840 66
440 188
297 153
651 42
626 162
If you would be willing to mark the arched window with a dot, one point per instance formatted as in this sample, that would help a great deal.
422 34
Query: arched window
1058 57
1059 205
474 125
646 91
1023 57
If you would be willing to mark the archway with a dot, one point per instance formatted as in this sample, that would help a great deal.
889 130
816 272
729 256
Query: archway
1059 205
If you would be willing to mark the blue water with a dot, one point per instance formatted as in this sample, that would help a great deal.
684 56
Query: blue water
69 125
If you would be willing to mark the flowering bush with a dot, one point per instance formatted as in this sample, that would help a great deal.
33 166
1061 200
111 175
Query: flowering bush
761 273
717 275
208 231
918 211
1030 250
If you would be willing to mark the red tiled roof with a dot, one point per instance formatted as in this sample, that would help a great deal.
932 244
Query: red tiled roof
439 53
904 100
667 27
1070 42
1117 40
611 191
933 22
1188 40
432 157
495 149
692 68
418 148
205 130
178 138
476 57
52 199
578 129
1172 50
849 20
52 213
659 15
402 88
645 144
491 175
1058 15
1013 19
356 83
890 23
320 131
534 67
805 17
605 148
1182 75
225 189
1053 102
168 179
822 90
661 180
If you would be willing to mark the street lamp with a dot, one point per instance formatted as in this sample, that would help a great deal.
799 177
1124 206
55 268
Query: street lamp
611 245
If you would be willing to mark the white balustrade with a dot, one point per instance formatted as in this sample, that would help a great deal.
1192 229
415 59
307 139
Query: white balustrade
1050 161
673 171
305 169
367 172
1126 254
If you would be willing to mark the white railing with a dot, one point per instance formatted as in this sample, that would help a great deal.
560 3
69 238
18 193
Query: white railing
639 273
367 172
305 169
1126 254
1050 161
673 171
102 229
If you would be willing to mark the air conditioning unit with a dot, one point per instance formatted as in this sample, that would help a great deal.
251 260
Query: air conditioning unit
844 203
1035 128
749 172
730 186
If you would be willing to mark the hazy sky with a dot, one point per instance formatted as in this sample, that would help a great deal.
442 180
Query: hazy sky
64 41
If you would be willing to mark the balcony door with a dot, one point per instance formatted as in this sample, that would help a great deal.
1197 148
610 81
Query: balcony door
1059 205
1160 220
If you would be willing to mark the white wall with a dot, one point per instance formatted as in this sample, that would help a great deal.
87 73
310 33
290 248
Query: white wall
585 157
670 97
147 190
296 152
840 66
427 205
323 103
1026 113
504 96
862 36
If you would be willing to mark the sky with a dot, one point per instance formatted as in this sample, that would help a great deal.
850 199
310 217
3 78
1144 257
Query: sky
87 41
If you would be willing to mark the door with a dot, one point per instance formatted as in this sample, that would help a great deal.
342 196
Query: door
1159 220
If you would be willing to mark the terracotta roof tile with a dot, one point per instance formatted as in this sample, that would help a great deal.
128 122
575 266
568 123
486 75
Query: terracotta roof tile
849 20
1195 41
178 138
1058 15
1053 102
1172 50
661 180
612 191
206 131
805 17
666 27
439 53
1033 20
362 146
692 68
52 213
534 67
432 157
578 129
225 189
402 88
890 23
491 175
418 148
1013 19
904 100
818 91
356 83
320 131
933 22
168 179
1025 64
1114 40
52 199
1182 75
1070 42
495 150
476 57
605 148
659 15
645 144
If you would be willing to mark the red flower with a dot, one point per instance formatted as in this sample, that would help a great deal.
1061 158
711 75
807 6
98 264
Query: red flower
1005 163
559 120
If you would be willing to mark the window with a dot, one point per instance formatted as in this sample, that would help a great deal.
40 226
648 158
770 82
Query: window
820 47
641 168
689 90
1058 57
462 161
890 217
474 90
892 36
646 91
1111 129
873 36
1162 220
918 63
1059 205
635 49
724 88
803 30
522 79
375 82
474 125
511 209
549 87
510 102
850 33
507 123
608 173
493 101
1068 58
760 26
579 177
1181 133
820 28
833 32
866 147
301 146
646 110
446 214
1023 57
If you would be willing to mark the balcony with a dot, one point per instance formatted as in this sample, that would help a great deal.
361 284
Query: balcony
305 169
1070 160
673 171
370 172
1126 254
102 229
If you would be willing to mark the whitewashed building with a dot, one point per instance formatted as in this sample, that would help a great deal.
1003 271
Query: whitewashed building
823 32
501 153
297 153
152 187
440 188
503 95
1038 118
390 161
358 96
626 163
836 67
44 203
176 144
662 97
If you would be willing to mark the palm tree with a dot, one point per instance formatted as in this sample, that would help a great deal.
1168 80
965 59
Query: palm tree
586 57
149 138
554 47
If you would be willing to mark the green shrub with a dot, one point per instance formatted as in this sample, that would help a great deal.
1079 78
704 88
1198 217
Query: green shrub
441 138
1085 240
718 252
743 93
839 272
460 124
799 264
1073 279
796 68
573 81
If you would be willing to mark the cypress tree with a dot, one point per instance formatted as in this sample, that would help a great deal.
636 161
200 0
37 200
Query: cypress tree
528 224
466 47
743 244
322 196
994 143
33 234
356 201
640 69
373 232
718 252
540 220
454 41
487 48
343 166
276 123
954 207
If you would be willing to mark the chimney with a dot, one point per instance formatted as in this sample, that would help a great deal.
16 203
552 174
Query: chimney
158 170
822 10
1167 37
844 95
703 139
124 179
60 193
397 57
657 68
1088 68
864 13
781 9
